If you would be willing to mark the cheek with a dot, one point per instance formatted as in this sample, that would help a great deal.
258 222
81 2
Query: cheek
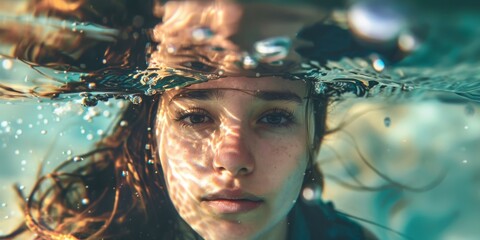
282 162
183 163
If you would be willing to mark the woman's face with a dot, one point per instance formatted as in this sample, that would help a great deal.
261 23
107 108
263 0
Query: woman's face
234 152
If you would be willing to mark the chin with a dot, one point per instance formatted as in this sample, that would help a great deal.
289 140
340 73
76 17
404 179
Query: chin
231 230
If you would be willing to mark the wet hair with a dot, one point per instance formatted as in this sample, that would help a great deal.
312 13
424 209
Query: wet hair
117 191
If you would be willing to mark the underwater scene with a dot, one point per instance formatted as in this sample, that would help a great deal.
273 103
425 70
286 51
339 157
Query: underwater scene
401 151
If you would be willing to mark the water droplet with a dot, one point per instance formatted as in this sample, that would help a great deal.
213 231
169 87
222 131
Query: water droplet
92 85
150 92
77 159
135 99
17 152
466 127
4 204
150 161
21 187
19 132
106 113
43 132
7 64
249 62
202 34
221 72
147 146
85 201
311 193
124 173
464 161
19 121
257 74
123 123
104 61
407 42
89 136
4 124
69 152
89 100
100 132
171 49
273 49
378 65
387 121
23 162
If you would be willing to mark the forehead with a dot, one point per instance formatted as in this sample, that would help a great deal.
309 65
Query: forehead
255 84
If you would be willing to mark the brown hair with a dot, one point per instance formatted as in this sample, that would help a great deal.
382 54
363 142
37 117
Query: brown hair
118 190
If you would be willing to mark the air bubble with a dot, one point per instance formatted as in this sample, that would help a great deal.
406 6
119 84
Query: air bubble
387 121
100 132
378 64
136 99
17 152
4 205
123 123
92 85
85 201
202 34
89 136
23 162
312 193
273 49
171 49
19 132
4 124
7 64
150 92
43 132
249 62
106 113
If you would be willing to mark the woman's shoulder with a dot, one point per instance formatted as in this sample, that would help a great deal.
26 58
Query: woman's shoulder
322 221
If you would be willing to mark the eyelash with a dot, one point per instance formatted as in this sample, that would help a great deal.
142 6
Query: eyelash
180 116
288 116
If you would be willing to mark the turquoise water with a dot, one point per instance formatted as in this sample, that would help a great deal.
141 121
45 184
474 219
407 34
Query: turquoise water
423 136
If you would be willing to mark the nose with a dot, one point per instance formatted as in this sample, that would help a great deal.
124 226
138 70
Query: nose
233 153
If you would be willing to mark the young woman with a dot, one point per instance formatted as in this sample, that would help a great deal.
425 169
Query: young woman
221 146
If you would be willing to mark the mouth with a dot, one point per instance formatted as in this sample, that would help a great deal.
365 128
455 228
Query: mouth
232 201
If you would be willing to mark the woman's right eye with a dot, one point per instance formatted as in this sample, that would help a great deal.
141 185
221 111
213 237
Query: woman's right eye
193 117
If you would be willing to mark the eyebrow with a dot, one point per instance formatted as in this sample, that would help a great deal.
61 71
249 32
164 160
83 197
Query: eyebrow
208 94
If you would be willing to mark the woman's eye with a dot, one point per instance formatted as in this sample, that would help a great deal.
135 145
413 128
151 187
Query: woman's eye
277 118
193 117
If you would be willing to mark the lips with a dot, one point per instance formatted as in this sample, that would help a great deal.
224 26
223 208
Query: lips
232 201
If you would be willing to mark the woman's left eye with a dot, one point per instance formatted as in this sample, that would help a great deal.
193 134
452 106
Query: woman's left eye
277 117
